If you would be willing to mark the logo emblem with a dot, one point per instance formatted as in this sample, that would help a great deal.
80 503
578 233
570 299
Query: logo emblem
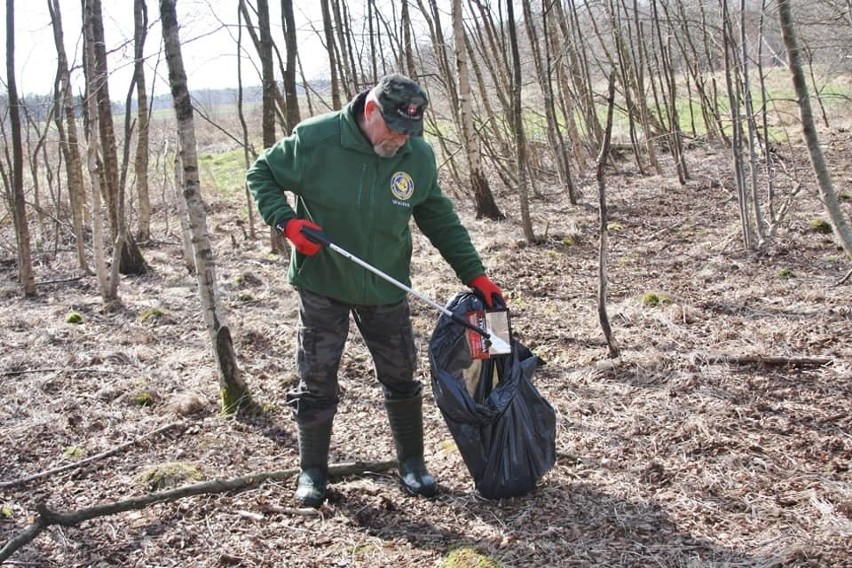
402 186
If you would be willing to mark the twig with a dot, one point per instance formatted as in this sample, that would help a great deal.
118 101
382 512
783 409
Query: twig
46 517
54 370
774 360
845 278
59 280
81 463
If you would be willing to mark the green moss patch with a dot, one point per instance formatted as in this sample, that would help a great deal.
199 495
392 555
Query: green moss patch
820 227
151 314
654 299
469 557
74 317
169 475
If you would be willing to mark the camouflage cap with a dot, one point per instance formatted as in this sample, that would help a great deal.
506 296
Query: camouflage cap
402 103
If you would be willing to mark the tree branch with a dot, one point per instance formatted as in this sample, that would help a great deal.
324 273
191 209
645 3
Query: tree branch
81 463
774 360
47 517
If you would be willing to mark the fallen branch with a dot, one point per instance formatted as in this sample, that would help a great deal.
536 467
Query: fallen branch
47 517
81 463
59 280
54 370
774 360
845 278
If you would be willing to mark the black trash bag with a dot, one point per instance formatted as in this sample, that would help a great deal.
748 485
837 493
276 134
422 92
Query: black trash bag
503 427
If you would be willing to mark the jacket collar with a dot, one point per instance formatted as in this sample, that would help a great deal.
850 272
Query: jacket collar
351 135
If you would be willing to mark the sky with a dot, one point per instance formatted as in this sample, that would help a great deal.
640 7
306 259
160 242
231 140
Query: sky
207 31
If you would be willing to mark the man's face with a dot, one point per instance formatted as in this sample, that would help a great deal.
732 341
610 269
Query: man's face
386 142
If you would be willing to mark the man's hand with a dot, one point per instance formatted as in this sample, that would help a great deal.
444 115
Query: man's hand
293 230
490 293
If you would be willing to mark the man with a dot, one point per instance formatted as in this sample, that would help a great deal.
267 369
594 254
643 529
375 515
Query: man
360 175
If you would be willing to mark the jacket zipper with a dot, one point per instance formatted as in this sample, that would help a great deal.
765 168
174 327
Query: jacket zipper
364 193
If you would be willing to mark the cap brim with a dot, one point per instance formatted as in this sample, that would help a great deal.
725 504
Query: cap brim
403 126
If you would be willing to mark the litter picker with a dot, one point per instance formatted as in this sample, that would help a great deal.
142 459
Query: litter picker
494 344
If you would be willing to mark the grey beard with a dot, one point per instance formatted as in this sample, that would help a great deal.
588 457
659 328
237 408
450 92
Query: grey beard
386 150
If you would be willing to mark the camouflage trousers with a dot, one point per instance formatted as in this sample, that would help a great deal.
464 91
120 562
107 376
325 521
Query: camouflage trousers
323 329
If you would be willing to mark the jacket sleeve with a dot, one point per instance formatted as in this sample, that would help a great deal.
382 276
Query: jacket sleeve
438 220
278 169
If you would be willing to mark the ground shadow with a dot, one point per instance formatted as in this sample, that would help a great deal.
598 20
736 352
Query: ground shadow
553 526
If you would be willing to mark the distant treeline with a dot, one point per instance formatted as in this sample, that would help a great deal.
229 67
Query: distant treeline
37 107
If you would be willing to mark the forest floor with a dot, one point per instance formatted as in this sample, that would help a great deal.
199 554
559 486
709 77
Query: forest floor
721 436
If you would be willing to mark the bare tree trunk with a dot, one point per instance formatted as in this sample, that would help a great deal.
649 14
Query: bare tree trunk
562 153
576 90
109 293
248 149
485 204
32 152
140 19
291 95
759 221
826 187
645 117
264 45
736 128
604 221
407 46
332 59
127 258
68 139
542 64
267 73
183 215
346 58
233 390
620 28
668 82
19 212
768 154
373 54
518 127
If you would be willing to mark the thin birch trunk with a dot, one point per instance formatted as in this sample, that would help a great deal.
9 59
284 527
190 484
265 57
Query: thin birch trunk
248 150
140 164
736 128
68 138
518 127
485 205
108 292
232 389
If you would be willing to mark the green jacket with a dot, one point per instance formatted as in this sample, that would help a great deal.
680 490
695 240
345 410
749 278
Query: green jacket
363 202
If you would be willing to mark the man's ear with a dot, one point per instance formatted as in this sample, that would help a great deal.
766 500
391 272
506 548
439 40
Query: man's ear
370 106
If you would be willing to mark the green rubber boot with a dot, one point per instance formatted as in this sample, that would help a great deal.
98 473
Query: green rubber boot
406 422
313 461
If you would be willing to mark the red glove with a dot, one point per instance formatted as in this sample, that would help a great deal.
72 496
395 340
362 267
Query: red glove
293 230
490 293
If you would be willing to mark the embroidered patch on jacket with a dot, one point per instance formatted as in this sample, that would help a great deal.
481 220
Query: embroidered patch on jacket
402 186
